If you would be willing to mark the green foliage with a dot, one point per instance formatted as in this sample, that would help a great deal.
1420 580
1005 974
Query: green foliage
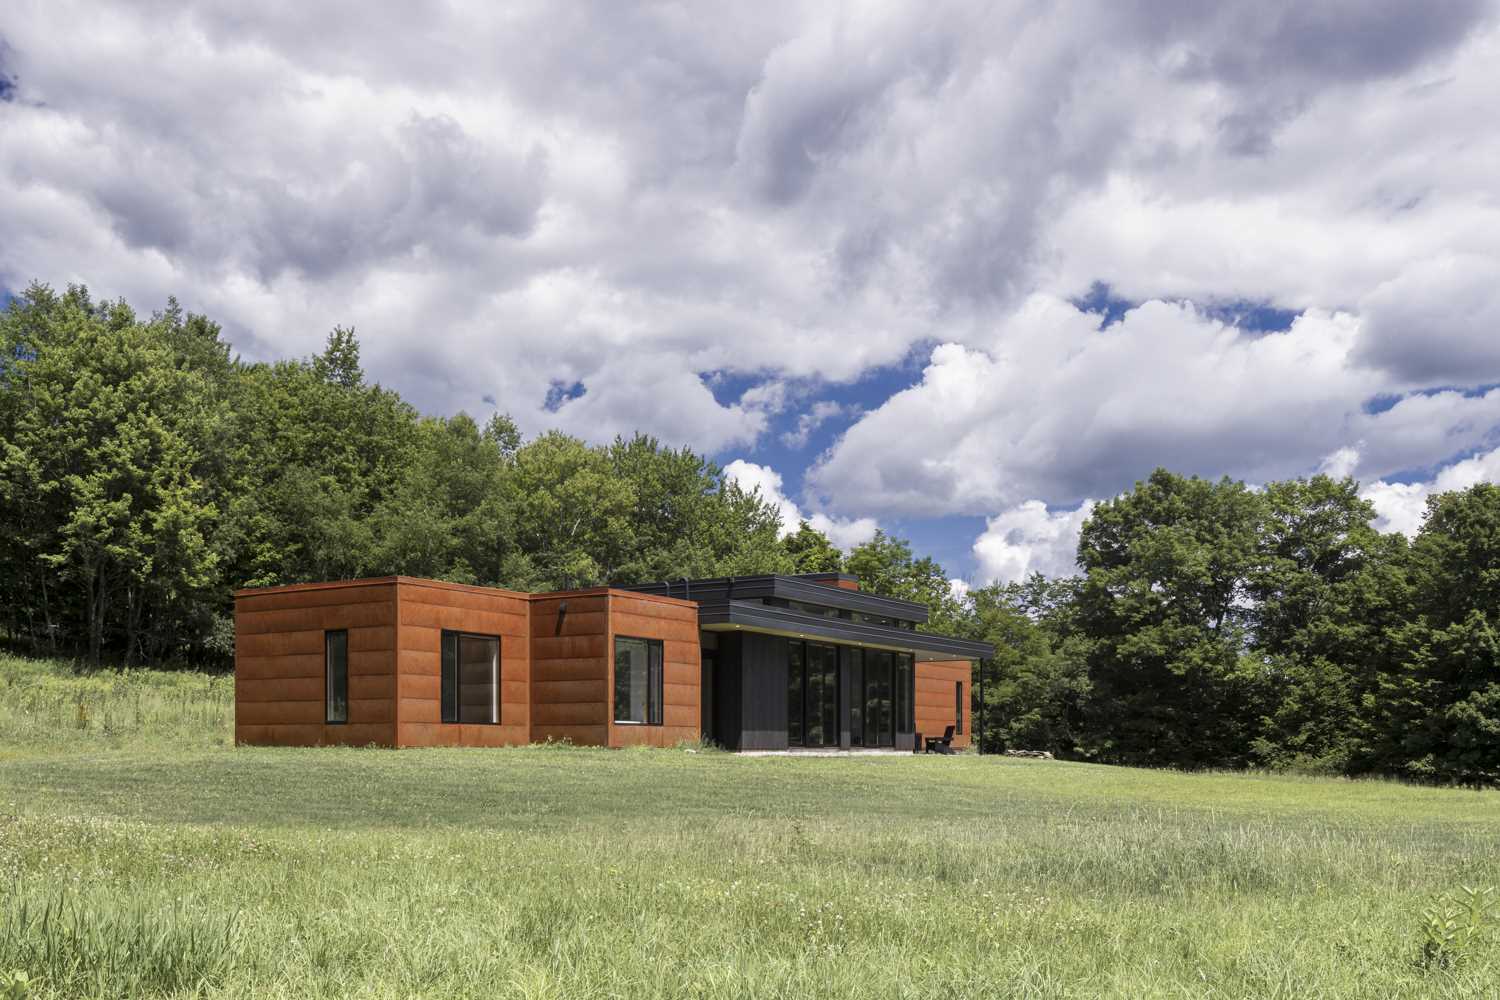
1454 925
145 474
811 551
1435 711
1166 568
885 565
15 984
1038 682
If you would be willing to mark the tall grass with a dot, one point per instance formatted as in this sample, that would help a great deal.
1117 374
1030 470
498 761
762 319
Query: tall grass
102 946
48 704
198 870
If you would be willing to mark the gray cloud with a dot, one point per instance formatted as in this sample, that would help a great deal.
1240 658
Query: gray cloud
1437 322
503 199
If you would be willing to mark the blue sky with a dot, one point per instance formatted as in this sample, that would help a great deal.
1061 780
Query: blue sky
950 271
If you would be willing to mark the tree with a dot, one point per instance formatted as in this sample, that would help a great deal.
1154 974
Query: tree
1436 714
686 520
103 459
1040 669
1164 603
885 565
811 552
1320 597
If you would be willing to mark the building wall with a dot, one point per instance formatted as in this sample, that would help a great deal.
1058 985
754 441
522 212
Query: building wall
570 678
675 623
279 665
425 609
934 698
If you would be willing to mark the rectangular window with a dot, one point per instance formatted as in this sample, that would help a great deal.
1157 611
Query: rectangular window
638 680
854 668
470 678
795 680
958 708
905 688
336 676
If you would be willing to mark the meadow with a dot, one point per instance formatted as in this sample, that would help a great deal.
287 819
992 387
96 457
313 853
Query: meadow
143 855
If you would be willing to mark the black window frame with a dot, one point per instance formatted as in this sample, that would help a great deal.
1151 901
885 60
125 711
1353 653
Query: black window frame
801 686
458 635
655 685
958 708
328 677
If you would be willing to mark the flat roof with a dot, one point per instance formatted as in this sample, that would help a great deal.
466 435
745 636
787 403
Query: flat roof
747 616
789 588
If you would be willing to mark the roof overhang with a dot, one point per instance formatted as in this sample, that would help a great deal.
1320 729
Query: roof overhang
729 616
790 588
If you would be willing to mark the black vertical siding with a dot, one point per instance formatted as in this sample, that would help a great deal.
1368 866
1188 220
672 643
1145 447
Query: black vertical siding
763 678
728 692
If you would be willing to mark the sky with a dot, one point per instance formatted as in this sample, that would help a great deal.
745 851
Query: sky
953 270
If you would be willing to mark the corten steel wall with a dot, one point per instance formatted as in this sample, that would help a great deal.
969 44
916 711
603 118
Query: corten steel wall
675 623
570 672
556 669
278 662
425 609
934 702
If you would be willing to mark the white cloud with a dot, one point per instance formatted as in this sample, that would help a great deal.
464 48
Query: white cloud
624 197
1030 539
1341 463
1058 407
1403 506
845 533
809 421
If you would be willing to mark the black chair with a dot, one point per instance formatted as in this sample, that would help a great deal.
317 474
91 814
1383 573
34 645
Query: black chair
941 744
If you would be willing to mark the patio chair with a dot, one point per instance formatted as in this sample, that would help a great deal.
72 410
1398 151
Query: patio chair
941 744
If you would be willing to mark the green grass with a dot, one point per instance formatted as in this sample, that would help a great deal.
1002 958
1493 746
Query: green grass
151 859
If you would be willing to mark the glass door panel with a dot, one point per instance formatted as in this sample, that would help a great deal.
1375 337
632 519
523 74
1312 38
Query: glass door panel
796 679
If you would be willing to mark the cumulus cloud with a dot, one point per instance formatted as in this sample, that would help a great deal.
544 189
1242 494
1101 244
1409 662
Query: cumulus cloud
845 533
810 420
1029 539
796 194
1060 407
1437 322
1403 506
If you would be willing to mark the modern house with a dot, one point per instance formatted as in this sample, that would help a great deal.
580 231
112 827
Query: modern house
751 663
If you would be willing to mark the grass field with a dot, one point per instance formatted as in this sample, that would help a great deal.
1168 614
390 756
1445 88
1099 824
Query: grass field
142 855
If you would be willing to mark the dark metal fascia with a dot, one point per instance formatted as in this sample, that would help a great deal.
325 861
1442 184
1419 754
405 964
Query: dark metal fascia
763 618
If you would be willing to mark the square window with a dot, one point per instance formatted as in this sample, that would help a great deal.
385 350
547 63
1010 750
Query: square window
470 678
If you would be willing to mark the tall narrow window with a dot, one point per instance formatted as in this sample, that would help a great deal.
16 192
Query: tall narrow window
905 688
470 687
795 679
638 681
958 707
336 676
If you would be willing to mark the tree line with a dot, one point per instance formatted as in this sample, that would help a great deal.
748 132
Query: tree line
146 472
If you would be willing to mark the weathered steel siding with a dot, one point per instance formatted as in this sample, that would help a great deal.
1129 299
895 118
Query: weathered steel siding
427 607
934 702
570 668
279 668
675 623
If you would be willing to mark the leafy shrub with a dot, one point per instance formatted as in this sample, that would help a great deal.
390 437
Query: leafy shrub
1453 926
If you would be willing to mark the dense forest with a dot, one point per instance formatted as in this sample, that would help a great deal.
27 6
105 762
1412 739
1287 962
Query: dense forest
146 472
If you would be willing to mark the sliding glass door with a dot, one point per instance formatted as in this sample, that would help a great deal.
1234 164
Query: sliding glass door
812 695
879 730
